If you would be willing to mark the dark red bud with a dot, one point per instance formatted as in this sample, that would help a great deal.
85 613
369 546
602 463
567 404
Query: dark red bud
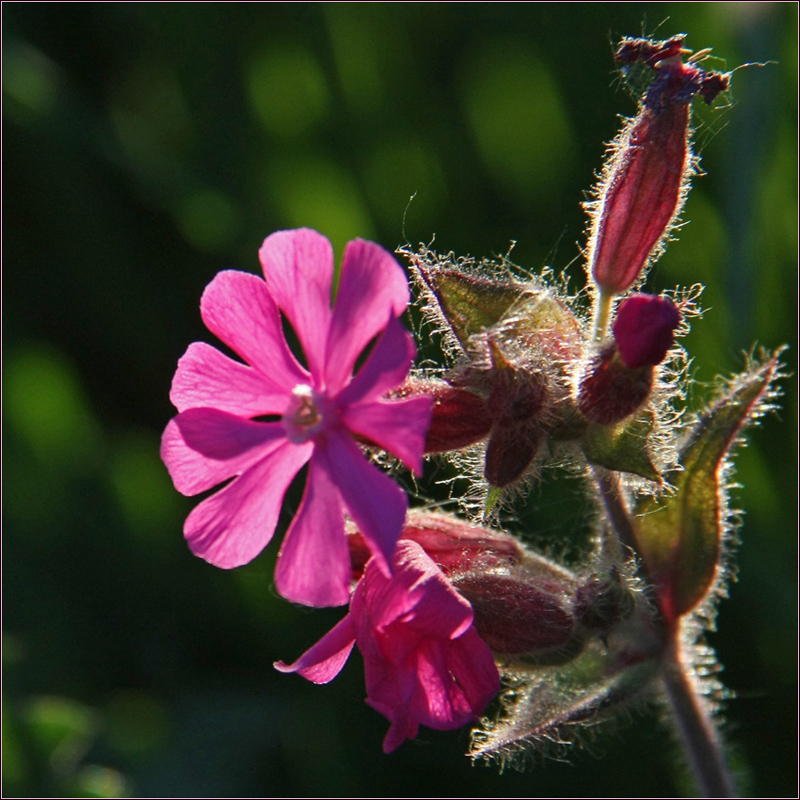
510 451
610 391
459 417
515 614
644 329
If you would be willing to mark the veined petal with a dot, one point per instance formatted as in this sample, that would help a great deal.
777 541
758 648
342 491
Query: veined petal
375 502
386 366
324 661
202 447
206 378
233 526
237 307
372 287
314 562
439 701
298 267
398 426
472 665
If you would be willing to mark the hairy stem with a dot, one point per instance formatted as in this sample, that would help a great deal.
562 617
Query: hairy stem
616 507
602 313
696 730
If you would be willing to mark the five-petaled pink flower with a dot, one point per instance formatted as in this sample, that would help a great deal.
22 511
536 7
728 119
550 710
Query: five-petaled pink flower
423 660
319 411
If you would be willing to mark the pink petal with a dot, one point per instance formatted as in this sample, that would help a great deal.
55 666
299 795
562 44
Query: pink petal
386 366
233 526
472 666
298 267
238 308
372 287
314 562
206 378
375 502
397 426
439 701
324 661
202 447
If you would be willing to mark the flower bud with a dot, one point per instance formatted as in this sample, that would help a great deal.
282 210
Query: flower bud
610 390
619 379
459 417
516 613
645 182
644 329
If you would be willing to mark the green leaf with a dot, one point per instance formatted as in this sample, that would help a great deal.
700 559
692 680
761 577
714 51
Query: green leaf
680 535
545 704
622 447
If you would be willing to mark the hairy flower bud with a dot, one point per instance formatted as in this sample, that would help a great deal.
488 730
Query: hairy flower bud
517 613
610 390
459 417
619 379
644 184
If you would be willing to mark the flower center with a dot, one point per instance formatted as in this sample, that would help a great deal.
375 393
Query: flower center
303 418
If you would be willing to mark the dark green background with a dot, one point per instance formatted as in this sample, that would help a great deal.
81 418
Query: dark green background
146 147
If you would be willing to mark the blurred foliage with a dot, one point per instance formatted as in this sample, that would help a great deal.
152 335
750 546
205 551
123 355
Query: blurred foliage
147 146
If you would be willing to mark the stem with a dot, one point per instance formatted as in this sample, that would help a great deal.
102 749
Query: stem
696 731
602 312
618 512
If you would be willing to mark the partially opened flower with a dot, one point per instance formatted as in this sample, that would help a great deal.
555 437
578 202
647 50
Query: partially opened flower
423 660
318 412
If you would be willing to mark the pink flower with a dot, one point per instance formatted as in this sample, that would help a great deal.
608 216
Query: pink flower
424 662
318 412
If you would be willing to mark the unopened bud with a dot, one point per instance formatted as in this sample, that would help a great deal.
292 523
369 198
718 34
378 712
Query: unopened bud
644 329
644 184
610 391
459 417
619 379
518 614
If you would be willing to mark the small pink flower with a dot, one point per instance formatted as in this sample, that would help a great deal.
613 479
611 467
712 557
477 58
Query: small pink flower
423 660
317 413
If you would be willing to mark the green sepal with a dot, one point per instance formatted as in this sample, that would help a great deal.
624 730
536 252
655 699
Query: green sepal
679 535
470 305
622 447
545 703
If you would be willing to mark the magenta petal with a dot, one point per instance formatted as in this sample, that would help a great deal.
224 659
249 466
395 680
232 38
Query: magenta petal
314 562
397 426
376 503
372 287
472 665
324 661
202 447
439 702
233 526
298 267
238 308
386 366
206 378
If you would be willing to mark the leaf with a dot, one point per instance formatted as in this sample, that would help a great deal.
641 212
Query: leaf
680 536
622 447
549 704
